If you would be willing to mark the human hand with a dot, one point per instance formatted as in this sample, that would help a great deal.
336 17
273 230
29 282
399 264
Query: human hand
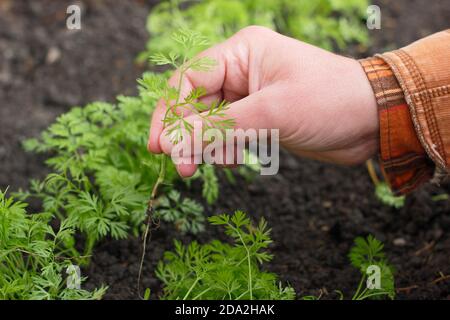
322 103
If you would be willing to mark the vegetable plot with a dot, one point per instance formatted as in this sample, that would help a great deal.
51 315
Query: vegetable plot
220 271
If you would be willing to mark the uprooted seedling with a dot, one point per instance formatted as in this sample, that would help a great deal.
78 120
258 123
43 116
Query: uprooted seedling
212 115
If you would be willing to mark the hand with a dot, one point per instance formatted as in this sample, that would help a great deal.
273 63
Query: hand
322 103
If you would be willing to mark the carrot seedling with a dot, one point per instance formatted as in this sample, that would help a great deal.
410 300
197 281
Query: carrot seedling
222 271
33 260
212 115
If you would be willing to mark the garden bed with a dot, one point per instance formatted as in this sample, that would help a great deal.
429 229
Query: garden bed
315 210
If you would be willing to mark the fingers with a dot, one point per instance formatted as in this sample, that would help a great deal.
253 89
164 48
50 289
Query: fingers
223 82
187 167
248 113
186 170
156 127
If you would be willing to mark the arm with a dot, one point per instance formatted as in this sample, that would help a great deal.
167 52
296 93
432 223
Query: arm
332 108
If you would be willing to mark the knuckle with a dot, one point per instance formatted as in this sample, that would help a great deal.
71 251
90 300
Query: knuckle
254 30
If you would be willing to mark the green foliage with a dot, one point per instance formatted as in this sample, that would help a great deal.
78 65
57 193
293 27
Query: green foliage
252 166
385 195
32 258
369 252
102 169
325 23
440 197
222 271
102 172
186 214
207 174
210 190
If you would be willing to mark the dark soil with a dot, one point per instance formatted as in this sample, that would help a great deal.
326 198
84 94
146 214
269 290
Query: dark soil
314 209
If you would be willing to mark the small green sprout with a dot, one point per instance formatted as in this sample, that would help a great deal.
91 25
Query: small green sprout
368 252
382 191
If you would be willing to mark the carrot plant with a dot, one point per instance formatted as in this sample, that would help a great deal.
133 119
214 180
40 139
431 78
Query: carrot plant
367 255
104 182
223 271
369 252
185 213
212 117
102 171
33 257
